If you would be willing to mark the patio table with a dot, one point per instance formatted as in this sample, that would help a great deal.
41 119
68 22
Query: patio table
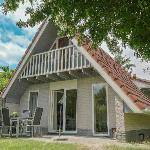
18 120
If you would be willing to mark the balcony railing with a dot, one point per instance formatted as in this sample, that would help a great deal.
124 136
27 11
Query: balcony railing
55 61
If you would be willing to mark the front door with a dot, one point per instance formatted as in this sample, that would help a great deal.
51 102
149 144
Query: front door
64 112
58 96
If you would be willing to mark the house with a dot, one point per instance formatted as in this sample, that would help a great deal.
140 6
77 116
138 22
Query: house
96 96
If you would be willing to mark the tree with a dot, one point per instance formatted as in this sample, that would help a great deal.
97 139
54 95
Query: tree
127 20
5 76
117 51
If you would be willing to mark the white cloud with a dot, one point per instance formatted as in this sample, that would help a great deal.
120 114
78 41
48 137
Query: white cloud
10 53
21 40
140 65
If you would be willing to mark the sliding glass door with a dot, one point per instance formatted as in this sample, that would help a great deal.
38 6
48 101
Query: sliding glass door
71 97
100 109
64 112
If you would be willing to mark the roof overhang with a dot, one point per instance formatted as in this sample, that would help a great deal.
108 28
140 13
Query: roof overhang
107 78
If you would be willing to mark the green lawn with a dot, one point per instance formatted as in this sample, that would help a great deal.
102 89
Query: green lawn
20 144
133 147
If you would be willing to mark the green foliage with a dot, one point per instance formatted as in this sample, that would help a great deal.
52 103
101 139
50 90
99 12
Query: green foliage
5 77
117 51
127 20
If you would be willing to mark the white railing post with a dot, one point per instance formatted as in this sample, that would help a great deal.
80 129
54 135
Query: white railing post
33 57
45 63
69 55
66 58
58 67
48 68
61 59
39 63
51 69
73 58
54 61
77 66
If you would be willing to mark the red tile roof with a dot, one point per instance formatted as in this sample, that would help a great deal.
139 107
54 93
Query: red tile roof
119 75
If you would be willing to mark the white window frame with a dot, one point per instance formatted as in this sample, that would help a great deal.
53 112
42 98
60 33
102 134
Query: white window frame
93 114
64 110
33 91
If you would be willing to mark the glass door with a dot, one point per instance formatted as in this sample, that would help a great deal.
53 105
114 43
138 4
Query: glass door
100 109
71 98
58 109
64 112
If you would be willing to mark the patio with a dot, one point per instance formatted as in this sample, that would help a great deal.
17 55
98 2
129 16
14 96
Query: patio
93 143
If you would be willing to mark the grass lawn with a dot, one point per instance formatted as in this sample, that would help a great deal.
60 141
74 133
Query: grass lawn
20 144
133 147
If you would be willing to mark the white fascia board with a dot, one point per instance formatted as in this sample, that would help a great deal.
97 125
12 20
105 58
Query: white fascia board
25 59
107 78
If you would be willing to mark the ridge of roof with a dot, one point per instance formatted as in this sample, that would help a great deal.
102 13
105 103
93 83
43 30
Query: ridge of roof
117 73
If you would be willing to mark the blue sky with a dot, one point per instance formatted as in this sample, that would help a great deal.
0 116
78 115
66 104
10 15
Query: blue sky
14 41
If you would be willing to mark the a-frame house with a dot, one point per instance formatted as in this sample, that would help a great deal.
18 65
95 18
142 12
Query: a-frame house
98 96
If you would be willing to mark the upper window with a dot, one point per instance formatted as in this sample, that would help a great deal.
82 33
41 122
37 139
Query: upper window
146 92
60 42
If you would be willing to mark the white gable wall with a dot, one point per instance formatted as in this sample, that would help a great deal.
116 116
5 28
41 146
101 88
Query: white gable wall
84 102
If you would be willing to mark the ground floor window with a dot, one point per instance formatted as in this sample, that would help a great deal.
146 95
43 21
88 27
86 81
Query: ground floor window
33 102
100 109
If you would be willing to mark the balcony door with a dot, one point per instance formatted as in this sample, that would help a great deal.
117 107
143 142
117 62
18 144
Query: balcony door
100 117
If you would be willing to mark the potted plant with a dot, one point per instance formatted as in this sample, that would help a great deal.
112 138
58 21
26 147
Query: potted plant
14 115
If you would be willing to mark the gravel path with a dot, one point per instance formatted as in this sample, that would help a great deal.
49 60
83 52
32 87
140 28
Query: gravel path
93 143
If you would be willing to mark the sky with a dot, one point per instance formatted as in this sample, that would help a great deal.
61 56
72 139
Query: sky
15 40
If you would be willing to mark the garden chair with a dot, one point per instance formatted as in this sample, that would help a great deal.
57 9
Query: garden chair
0 122
6 122
34 123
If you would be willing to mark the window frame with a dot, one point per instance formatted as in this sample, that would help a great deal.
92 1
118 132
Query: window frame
33 91
93 113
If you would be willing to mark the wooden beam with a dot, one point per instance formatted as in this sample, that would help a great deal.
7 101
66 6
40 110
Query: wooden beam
33 80
89 72
43 78
64 75
75 74
53 77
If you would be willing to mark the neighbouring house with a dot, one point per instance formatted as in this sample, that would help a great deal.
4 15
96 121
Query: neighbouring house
98 97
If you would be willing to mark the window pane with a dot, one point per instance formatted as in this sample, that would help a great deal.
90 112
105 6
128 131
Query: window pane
33 102
71 97
58 109
100 109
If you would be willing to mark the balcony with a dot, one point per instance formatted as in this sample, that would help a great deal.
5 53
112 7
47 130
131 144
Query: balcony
55 62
